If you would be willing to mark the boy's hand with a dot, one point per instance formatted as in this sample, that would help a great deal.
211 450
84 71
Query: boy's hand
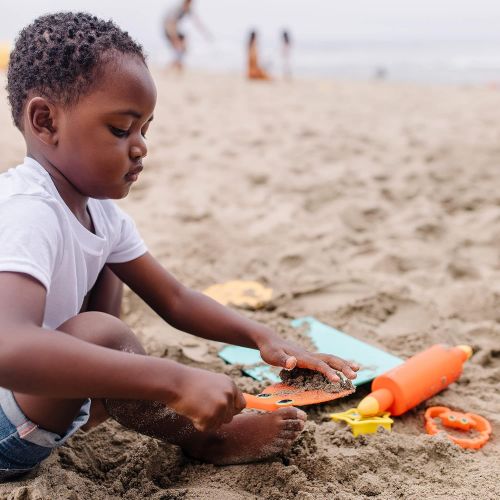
279 352
208 399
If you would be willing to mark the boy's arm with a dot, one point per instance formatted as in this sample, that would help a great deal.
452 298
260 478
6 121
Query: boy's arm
199 315
42 362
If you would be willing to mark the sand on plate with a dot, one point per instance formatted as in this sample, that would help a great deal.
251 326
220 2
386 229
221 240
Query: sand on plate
311 380
375 208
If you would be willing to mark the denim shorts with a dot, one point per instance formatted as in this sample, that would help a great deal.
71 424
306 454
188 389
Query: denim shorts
23 445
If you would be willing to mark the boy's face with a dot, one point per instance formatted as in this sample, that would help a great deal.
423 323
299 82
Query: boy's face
101 139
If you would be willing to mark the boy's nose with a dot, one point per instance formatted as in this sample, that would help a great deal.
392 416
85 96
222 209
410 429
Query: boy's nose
137 152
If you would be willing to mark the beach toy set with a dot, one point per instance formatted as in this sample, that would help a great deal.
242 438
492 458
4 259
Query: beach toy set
397 387
394 393
404 387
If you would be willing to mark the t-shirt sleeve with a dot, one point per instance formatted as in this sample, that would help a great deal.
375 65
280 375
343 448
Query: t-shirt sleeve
30 238
128 244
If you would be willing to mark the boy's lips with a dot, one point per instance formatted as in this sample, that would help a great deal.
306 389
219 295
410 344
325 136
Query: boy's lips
133 173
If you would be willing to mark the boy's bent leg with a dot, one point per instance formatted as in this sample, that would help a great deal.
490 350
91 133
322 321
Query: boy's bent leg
249 437
56 415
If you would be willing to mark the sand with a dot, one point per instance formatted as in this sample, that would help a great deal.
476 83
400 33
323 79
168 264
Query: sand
374 207
310 380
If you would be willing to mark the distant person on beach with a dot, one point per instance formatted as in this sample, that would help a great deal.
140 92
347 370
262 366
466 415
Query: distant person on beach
380 73
285 53
175 36
254 72
83 98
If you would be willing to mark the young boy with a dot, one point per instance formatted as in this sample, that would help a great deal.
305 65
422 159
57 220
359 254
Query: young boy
83 98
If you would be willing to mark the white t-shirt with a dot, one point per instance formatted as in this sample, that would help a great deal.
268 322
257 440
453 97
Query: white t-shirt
41 237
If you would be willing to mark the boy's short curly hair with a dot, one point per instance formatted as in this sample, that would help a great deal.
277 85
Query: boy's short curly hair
60 56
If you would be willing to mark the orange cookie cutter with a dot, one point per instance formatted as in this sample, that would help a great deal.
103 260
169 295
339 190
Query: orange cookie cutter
461 421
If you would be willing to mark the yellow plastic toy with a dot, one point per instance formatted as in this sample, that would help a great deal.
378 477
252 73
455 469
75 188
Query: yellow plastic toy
245 294
363 425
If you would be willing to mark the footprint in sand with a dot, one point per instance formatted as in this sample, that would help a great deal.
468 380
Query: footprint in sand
361 218
306 133
398 264
257 142
486 348
291 261
471 302
229 153
329 298
461 269
409 317
258 178
488 358
389 315
429 230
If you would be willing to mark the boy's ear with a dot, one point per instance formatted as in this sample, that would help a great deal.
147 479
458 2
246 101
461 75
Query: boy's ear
41 115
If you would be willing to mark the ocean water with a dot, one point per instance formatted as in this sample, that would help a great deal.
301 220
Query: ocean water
422 61
428 41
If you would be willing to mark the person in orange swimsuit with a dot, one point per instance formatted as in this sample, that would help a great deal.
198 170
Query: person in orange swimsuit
255 72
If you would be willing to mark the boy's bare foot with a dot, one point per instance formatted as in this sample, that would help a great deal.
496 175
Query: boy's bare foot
249 437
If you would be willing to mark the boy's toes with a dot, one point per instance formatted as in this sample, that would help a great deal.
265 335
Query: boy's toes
290 412
289 435
292 425
292 420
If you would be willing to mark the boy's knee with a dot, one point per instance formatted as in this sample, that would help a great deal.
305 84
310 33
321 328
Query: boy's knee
102 329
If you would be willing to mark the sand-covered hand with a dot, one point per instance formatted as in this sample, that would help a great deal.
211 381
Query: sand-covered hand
208 399
279 352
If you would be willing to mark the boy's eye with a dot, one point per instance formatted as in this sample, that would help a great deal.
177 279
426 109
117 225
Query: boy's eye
144 131
118 131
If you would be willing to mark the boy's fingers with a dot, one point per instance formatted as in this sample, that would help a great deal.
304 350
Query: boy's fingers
290 363
348 369
284 360
229 416
232 410
200 426
240 402
320 366
237 404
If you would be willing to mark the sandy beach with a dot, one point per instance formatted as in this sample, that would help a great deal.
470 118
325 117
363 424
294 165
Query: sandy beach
374 207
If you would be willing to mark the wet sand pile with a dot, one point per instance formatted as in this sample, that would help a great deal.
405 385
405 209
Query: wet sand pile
309 380
373 207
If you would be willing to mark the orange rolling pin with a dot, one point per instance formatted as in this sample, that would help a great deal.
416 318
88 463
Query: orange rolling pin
417 379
